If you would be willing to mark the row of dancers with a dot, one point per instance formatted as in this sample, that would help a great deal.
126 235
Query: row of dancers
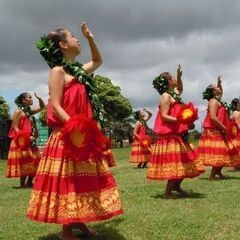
74 188
171 157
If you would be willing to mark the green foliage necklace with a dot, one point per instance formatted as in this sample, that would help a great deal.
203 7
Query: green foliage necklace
29 114
53 57
176 96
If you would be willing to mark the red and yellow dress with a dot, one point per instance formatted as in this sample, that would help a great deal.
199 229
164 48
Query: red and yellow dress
139 153
214 148
22 163
172 156
70 190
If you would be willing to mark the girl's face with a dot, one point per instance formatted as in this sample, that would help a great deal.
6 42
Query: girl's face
172 81
217 90
238 105
27 100
142 114
72 43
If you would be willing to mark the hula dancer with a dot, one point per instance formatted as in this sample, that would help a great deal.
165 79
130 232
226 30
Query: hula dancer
141 151
172 157
216 149
74 185
23 156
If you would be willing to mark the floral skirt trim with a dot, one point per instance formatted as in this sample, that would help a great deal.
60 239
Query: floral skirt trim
173 158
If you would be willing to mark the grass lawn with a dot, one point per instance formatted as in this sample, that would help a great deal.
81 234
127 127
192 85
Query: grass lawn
211 212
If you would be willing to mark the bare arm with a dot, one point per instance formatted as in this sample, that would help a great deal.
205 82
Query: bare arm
179 80
165 103
219 84
56 85
41 105
149 114
96 60
236 118
135 130
213 107
16 120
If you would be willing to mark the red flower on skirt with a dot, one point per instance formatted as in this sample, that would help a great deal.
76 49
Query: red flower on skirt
146 141
22 139
188 114
82 137
233 130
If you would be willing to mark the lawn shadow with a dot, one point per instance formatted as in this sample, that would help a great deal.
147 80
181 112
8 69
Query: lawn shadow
49 237
176 196
106 231
21 188
219 179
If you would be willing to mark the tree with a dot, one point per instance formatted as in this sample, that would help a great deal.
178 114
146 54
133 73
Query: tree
42 117
4 109
116 106
118 109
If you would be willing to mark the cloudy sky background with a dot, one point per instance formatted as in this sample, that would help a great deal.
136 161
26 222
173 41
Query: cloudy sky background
138 40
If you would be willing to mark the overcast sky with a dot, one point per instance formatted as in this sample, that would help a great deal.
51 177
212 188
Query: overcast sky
138 40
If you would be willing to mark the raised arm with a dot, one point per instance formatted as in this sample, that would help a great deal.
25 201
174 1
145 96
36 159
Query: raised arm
56 85
219 84
41 105
149 114
165 103
96 60
179 80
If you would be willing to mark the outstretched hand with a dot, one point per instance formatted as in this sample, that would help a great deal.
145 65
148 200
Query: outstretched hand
219 79
86 31
37 96
179 71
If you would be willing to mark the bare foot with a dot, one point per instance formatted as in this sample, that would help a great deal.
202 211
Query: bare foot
67 237
221 176
85 229
169 196
181 191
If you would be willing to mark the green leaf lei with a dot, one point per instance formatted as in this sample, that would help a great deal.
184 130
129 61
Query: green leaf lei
29 114
54 57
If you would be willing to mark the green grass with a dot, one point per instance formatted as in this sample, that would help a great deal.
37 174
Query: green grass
211 212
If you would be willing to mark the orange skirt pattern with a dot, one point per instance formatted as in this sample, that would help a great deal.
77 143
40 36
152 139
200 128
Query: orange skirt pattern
139 154
173 158
108 155
22 163
217 150
67 190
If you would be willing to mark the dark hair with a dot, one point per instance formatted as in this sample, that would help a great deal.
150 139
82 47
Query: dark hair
137 115
57 36
19 99
209 92
160 83
234 104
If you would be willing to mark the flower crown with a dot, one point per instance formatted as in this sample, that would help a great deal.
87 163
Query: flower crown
50 53
160 84
234 104
208 93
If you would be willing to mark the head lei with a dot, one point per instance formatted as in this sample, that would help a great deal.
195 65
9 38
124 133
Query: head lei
54 57
233 106
208 93
136 115
160 84
30 115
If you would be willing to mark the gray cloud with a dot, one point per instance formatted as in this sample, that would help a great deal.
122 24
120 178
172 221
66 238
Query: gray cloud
138 40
